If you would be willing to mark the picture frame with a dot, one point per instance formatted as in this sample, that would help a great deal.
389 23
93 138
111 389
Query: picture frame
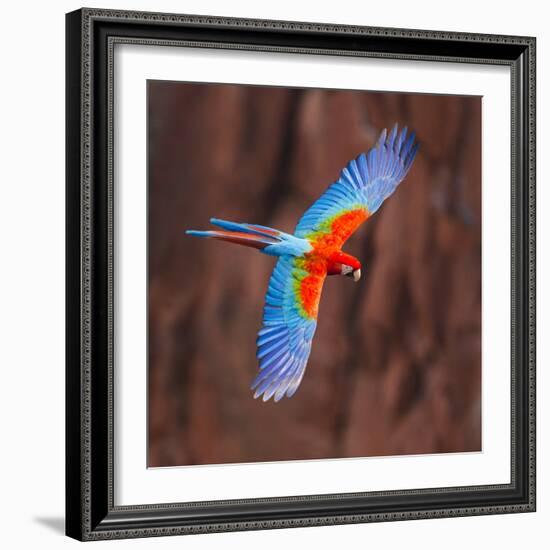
91 510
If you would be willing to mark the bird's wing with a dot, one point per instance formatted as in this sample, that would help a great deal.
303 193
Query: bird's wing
363 186
289 322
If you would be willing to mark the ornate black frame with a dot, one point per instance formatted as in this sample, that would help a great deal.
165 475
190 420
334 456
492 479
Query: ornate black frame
90 510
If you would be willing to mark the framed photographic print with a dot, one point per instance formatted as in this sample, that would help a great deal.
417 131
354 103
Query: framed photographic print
300 274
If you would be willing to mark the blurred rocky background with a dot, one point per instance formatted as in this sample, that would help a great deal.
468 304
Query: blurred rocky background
396 361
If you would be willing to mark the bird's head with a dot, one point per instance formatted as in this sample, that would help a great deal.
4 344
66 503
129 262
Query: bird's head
341 263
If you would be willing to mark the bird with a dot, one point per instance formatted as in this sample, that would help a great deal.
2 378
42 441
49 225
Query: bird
311 253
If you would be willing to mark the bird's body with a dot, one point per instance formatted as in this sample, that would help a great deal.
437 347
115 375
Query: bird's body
312 253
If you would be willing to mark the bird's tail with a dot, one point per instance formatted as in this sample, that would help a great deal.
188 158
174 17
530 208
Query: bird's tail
255 236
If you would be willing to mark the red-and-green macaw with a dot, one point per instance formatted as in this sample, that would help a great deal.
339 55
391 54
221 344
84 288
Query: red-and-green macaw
312 253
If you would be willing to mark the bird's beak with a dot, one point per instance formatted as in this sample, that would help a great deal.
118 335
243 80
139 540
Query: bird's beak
356 275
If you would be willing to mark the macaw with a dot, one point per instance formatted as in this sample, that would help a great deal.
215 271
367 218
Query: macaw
310 254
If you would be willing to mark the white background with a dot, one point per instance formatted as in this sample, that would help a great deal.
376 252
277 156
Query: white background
134 483
32 289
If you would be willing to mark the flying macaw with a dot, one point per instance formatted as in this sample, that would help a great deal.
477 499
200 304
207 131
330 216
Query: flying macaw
312 253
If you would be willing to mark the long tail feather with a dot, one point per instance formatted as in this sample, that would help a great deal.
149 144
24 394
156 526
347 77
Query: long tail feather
250 228
269 241
246 239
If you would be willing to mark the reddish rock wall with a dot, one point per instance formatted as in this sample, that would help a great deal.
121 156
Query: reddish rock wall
396 361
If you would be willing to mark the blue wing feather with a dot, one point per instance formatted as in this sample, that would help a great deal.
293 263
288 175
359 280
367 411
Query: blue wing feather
366 181
284 341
